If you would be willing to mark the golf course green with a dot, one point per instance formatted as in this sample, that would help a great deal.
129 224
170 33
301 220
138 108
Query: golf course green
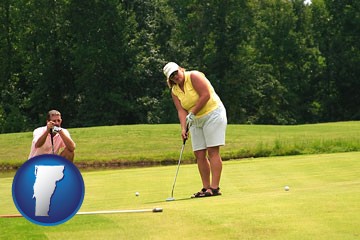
323 201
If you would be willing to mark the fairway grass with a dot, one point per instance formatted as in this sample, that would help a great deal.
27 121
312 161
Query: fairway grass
323 202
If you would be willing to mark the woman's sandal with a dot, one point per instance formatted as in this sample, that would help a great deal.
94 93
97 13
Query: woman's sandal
212 192
201 193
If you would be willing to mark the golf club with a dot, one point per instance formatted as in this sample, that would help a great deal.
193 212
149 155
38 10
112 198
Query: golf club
177 169
154 210
52 140
10 215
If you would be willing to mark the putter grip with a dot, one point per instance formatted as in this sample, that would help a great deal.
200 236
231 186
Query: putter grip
187 130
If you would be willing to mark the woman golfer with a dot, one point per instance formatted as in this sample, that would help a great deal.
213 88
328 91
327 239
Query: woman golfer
200 108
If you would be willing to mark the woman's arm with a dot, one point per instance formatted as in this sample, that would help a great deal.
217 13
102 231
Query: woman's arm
181 114
199 83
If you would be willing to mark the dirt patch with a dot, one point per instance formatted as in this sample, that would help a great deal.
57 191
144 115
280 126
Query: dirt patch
112 164
121 164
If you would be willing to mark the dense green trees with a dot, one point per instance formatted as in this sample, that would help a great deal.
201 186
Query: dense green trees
342 56
100 62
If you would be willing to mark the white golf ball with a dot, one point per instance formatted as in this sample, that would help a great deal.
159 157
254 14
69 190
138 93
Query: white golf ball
137 194
286 188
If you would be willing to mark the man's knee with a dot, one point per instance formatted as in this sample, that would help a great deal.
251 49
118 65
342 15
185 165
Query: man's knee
69 155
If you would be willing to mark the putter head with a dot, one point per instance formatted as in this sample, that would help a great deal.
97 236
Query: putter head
169 199
157 209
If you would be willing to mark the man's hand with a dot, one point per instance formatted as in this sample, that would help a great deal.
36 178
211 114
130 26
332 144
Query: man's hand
190 118
50 125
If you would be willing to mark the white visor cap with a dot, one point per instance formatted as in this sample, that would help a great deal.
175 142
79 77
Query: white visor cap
169 68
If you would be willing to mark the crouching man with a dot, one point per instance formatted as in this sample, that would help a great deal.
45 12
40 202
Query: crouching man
52 138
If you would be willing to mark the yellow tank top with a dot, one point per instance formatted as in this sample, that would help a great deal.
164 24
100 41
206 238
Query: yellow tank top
189 96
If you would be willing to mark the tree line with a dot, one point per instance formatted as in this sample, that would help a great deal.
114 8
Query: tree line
100 61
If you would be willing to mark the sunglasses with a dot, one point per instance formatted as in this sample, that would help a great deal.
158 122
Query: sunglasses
172 76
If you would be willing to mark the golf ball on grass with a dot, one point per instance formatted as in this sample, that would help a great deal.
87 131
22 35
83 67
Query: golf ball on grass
286 188
137 194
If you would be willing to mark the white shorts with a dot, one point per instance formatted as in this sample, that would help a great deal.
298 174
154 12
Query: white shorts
209 130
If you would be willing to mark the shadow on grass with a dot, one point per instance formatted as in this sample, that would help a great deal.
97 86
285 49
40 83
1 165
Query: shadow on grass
176 199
